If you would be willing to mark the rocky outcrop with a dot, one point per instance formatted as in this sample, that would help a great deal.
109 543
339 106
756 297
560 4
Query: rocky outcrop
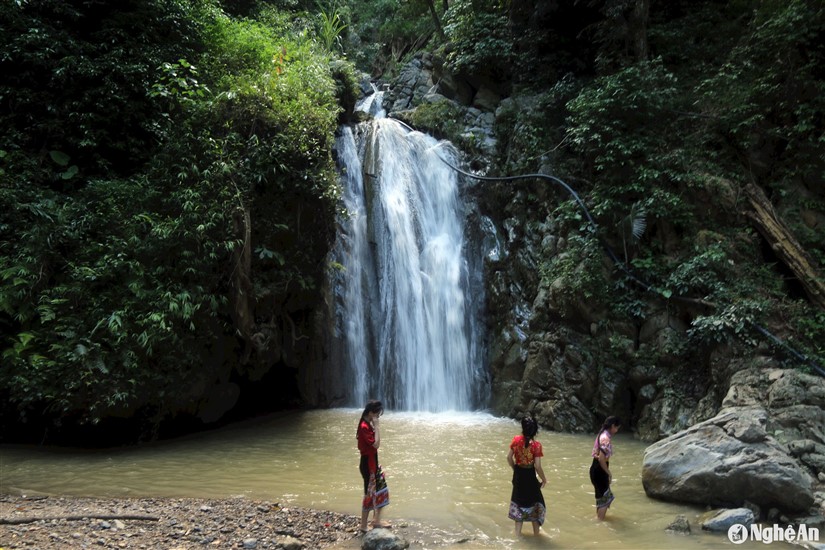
795 401
735 426
727 460
425 81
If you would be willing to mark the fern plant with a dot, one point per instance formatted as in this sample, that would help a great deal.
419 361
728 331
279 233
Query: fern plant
332 25
632 227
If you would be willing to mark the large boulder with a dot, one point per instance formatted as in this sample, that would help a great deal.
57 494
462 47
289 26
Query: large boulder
726 461
795 403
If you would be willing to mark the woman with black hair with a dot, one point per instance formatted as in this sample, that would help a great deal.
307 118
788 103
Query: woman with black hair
526 501
600 475
376 492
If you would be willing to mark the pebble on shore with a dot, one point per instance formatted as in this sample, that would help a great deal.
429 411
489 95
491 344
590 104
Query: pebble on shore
170 523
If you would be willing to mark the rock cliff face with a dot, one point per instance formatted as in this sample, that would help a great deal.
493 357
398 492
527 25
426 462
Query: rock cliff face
727 461
764 447
570 364
733 426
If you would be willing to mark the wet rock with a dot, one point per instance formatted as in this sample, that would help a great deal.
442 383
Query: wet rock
486 99
722 520
709 464
679 526
794 400
383 539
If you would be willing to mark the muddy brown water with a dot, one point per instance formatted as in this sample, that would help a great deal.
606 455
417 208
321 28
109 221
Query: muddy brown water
446 470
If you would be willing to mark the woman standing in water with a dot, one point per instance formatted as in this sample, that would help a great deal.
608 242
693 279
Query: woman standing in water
376 493
600 475
526 501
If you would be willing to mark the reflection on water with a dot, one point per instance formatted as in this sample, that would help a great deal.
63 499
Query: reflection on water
448 470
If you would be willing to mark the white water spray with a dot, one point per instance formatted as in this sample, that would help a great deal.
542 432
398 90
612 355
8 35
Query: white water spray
409 335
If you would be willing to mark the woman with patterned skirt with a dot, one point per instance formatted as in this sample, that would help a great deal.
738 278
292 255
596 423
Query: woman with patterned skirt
376 493
600 475
526 501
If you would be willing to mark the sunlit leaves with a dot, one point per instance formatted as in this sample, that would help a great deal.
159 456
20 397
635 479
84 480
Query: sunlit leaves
125 203
480 38
332 25
617 121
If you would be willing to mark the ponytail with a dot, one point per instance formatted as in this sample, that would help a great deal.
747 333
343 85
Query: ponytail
529 428
609 422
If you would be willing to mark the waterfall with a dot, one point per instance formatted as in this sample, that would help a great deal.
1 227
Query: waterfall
407 327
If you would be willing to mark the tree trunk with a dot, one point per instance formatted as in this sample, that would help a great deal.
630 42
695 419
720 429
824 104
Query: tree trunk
785 245
436 19
240 292
80 517
637 29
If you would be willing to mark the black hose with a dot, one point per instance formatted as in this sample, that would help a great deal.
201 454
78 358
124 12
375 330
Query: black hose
762 330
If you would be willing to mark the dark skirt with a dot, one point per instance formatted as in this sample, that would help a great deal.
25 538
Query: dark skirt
601 484
526 501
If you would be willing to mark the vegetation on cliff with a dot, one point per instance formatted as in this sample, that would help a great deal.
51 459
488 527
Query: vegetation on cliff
168 188
154 154
675 120
720 105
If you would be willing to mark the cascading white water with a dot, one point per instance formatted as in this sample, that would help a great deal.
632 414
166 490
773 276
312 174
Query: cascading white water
409 335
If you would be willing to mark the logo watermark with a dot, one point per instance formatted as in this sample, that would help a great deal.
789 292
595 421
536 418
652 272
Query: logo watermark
738 533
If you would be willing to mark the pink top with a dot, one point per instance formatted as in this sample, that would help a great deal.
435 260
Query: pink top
603 444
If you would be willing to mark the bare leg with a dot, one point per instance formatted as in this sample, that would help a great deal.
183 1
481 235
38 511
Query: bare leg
378 522
536 527
519 525
364 516
601 512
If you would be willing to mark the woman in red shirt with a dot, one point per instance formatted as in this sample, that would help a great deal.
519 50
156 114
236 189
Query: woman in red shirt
526 501
376 493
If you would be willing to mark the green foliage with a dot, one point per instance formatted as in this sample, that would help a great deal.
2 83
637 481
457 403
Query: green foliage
347 89
123 219
441 118
530 130
671 136
768 98
131 292
578 272
809 330
702 275
177 83
732 95
479 37
89 65
732 322
617 122
331 26
769 87
382 32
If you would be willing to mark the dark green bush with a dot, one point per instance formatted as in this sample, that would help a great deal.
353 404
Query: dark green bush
136 137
